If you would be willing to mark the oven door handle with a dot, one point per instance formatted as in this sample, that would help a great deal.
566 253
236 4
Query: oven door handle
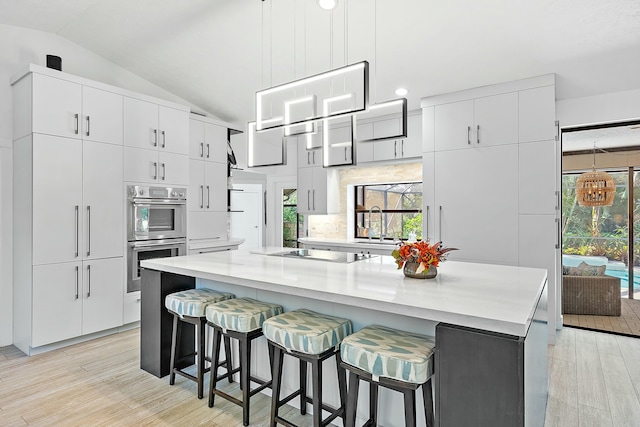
138 246
147 202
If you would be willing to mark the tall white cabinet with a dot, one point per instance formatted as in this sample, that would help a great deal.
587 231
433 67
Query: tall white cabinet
489 176
207 201
68 209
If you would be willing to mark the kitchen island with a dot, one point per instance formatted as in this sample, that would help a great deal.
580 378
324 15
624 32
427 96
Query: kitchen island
489 322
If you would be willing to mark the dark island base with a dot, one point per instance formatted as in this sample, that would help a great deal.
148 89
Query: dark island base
156 323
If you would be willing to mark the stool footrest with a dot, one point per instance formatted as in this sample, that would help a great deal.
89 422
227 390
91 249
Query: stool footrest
335 413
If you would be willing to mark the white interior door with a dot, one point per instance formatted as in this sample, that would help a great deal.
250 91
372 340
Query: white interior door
247 215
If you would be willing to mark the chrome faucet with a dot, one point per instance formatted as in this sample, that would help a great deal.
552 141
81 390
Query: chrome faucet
380 212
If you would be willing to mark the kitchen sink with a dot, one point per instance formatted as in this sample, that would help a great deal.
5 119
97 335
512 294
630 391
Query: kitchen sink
320 255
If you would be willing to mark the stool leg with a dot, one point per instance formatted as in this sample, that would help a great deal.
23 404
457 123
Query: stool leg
303 387
316 379
227 356
276 375
342 388
245 355
410 408
427 395
200 346
373 403
352 400
174 338
215 360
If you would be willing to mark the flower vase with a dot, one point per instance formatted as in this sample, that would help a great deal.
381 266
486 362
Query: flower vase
410 269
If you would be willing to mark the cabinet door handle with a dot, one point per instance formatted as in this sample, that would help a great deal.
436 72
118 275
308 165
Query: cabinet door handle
427 222
164 139
469 135
88 280
77 129
208 197
314 157
77 282
402 148
155 137
308 200
440 225
345 154
77 209
201 196
314 199
308 158
558 233
88 230
202 149
395 148
208 151
88 125
164 171
155 166
478 134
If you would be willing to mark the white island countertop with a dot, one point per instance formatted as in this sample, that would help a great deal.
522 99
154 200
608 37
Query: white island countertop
483 296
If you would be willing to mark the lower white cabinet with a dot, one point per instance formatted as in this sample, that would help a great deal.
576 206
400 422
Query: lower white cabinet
153 167
131 308
75 298
207 225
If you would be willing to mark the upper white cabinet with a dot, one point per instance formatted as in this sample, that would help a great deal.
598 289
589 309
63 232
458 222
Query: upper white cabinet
64 108
207 141
101 116
537 123
207 186
152 126
318 191
485 121
308 158
390 149
152 167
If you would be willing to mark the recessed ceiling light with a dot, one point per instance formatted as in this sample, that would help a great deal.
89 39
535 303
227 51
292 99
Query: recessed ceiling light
401 91
327 4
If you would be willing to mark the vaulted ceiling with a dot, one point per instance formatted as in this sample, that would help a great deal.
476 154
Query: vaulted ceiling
218 53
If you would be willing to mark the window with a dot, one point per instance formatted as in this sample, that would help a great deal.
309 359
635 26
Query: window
292 223
388 210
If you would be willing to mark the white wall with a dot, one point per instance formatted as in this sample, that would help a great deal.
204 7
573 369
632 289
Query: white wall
19 47
609 107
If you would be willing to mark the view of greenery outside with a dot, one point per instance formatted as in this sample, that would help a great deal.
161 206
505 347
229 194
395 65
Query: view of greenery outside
290 219
597 231
401 206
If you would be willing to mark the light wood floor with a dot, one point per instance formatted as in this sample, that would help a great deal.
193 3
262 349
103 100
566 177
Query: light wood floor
594 381
628 323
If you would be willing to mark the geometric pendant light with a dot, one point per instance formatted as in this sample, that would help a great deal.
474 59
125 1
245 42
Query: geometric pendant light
595 188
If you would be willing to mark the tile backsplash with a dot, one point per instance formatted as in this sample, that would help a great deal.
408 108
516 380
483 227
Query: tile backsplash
335 226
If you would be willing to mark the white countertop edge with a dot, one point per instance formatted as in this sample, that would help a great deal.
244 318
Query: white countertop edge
213 243
483 323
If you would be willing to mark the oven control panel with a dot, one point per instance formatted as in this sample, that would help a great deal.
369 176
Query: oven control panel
166 193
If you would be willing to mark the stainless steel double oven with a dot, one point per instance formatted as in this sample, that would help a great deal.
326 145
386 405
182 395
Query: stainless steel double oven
156 227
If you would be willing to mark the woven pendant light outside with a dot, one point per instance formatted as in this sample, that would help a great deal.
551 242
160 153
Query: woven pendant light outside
595 188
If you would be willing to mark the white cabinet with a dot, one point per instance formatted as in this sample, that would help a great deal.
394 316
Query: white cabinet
308 158
207 141
205 225
156 139
207 186
64 108
152 126
76 298
392 149
103 200
57 198
486 121
475 203
153 167
318 191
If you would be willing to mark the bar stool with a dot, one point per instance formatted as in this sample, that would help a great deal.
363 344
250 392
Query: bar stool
390 358
311 338
241 319
189 307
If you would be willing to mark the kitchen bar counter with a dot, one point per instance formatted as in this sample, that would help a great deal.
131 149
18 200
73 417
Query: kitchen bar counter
489 321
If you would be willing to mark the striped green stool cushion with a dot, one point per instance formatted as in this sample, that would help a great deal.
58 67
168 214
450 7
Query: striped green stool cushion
390 353
193 302
241 314
306 331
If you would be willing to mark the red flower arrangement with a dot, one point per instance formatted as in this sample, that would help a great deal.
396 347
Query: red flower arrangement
421 252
